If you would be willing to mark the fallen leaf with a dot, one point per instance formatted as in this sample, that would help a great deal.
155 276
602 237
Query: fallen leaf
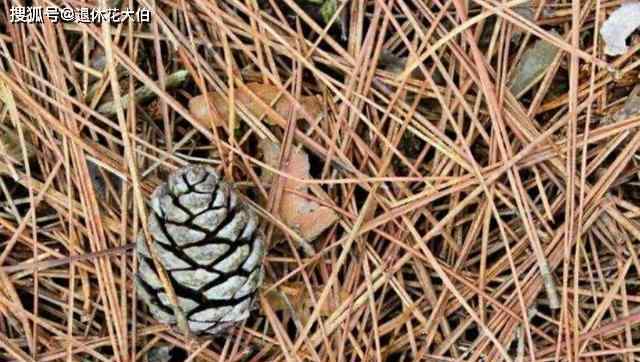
532 66
527 11
297 166
98 61
159 354
307 217
631 105
295 295
265 92
11 148
620 24
394 63
143 94
285 296
100 184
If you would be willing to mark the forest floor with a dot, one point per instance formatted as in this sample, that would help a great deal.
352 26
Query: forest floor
436 180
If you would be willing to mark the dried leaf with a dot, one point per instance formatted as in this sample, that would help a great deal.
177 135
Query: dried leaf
98 61
285 295
306 216
395 65
392 63
631 105
620 24
527 11
100 184
159 354
10 147
144 93
532 67
295 295
297 166
265 92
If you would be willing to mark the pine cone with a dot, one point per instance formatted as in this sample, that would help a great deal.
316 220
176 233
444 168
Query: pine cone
210 246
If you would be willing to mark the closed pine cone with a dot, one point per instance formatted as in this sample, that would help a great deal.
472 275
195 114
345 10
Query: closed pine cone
210 246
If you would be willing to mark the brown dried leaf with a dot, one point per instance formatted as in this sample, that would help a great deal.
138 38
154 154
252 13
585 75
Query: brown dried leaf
265 92
304 215
313 220
297 165
286 293
296 295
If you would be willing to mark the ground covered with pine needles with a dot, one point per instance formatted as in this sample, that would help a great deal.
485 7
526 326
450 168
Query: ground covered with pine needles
475 161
